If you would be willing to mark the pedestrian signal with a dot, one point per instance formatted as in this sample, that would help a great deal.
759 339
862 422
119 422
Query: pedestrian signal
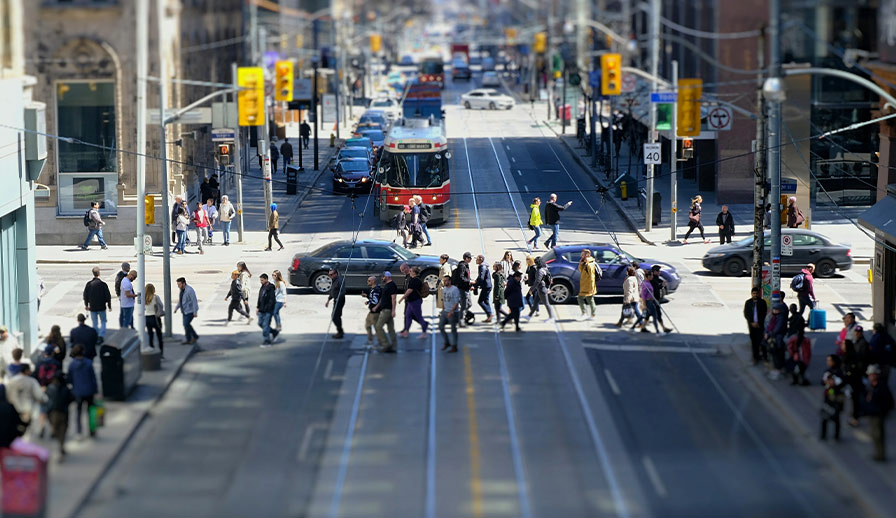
223 154
284 75
689 93
250 99
687 148
611 74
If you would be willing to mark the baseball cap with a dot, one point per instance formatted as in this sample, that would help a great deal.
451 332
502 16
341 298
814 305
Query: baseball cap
3 329
468 254
273 206
387 274
872 369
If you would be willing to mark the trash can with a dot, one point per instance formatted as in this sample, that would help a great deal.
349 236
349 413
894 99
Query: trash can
292 178
657 208
121 364
23 469
580 128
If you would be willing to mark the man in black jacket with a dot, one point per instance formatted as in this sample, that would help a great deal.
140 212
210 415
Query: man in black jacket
878 404
305 133
725 222
460 278
97 299
337 294
286 153
484 287
552 218
84 335
755 310
267 298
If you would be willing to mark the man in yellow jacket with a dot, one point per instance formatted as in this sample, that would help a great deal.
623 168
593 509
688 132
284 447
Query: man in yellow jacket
589 275
534 223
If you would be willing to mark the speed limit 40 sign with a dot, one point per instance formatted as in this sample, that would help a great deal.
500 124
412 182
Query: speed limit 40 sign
652 154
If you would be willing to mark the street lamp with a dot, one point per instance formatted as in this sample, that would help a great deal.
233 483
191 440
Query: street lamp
773 90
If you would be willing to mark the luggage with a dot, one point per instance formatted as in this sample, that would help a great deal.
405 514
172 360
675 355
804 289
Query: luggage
818 319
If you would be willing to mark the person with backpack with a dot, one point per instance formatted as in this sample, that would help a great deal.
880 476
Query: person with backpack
413 303
425 215
84 386
483 287
461 279
589 276
542 287
534 222
803 284
94 224
694 219
59 399
795 216
337 294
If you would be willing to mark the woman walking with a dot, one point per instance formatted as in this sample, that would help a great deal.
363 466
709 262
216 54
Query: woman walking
694 219
56 340
514 296
154 310
499 281
795 216
413 304
630 298
245 275
280 296
531 296
507 265
542 287
535 222
650 304
180 229
236 298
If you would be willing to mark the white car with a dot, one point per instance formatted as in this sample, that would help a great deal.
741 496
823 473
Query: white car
490 78
390 108
486 98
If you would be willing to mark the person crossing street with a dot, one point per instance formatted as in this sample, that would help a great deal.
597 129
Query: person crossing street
483 287
337 294
552 218
267 299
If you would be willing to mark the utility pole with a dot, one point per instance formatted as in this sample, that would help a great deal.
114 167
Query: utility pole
673 163
315 62
335 27
238 162
654 13
142 19
263 146
759 176
563 120
774 95
166 220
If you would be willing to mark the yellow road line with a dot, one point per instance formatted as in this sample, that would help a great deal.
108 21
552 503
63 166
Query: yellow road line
475 479
456 219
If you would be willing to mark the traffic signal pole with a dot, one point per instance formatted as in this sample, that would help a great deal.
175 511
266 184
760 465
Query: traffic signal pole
263 142
774 149
238 162
142 19
163 147
673 165
654 12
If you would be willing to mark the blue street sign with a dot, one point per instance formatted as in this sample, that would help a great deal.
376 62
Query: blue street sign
663 97
594 79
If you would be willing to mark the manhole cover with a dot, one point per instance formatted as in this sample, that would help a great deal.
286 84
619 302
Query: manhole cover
707 304
208 272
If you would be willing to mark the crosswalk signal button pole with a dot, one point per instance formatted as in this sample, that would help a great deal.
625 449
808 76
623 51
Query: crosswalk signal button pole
611 74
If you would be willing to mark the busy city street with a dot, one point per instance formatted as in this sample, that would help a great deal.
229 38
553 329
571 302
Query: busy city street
419 275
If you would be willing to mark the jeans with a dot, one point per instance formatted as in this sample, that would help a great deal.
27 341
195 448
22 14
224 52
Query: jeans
181 241
101 315
305 141
264 322
426 232
531 300
464 306
98 232
805 302
126 317
635 310
337 313
652 310
445 319
537 235
413 312
277 307
483 301
385 319
589 300
552 241
154 322
189 332
225 229
81 401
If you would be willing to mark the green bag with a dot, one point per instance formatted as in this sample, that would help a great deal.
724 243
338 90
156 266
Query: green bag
92 419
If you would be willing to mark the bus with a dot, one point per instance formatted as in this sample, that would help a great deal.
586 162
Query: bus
431 70
414 161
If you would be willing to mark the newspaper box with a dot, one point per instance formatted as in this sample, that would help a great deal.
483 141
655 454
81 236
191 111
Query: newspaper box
24 474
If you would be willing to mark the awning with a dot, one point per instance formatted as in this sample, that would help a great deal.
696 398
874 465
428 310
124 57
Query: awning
881 217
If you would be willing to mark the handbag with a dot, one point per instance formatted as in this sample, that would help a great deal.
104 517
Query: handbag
627 311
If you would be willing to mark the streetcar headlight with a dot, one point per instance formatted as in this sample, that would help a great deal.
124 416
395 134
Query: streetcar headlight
396 198
448 155
433 197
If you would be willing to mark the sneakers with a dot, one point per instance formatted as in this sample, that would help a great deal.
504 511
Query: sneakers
526 317
338 336
583 317
266 344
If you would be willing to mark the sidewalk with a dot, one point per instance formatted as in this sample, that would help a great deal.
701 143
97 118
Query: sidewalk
827 222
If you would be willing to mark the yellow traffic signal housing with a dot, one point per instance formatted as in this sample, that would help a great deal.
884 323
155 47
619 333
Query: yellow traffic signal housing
376 43
149 206
284 74
689 93
510 34
250 99
611 74
540 45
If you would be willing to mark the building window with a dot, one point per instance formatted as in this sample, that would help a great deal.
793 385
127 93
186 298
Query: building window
86 110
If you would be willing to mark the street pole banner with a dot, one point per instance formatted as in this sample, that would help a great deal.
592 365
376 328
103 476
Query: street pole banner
329 108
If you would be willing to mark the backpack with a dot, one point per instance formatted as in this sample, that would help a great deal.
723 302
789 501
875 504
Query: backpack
425 212
46 371
424 290
87 219
798 282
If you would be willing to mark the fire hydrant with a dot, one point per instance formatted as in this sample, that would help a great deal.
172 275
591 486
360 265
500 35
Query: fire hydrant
623 190
332 140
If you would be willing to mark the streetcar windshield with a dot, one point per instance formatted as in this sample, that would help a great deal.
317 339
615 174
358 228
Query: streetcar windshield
415 169
431 67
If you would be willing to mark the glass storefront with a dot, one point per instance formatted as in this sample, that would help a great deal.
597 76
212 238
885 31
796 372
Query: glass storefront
88 171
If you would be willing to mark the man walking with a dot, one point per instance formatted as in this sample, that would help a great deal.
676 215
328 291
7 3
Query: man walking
451 298
226 213
189 308
273 228
373 294
84 335
96 300
200 219
286 153
275 157
484 287
425 210
552 218
212 212
755 310
385 308
267 299
126 301
725 222
803 284
337 294
461 280
94 226
305 133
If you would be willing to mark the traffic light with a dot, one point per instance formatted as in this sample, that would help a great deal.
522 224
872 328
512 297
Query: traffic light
689 93
510 34
687 149
574 78
250 99
611 74
541 43
376 43
149 206
283 91
223 154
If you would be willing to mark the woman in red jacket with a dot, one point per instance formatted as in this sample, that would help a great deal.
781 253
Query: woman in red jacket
799 352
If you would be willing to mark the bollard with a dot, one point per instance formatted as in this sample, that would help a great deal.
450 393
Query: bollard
623 190
332 140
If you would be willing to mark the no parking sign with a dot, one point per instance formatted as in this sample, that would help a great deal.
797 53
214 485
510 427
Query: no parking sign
786 244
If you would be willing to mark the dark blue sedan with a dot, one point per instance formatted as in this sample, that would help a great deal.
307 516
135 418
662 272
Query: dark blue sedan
352 174
563 263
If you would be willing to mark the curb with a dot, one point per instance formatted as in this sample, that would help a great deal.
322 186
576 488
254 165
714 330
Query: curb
130 434
628 219
870 507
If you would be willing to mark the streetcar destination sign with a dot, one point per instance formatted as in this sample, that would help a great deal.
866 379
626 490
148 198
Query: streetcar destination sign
414 145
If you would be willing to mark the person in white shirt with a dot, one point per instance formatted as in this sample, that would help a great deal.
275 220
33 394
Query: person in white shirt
226 213
127 300
25 393
8 344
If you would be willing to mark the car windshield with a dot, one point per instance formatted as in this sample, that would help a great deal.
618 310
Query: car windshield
373 118
431 67
374 135
353 152
415 169
403 252
354 165
384 103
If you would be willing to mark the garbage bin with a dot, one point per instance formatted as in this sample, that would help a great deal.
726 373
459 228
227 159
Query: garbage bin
292 178
23 469
580 128
121 364
657 208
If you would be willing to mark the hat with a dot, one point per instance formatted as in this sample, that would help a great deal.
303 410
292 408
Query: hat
387 274
273 206
779 307
468 254
872 369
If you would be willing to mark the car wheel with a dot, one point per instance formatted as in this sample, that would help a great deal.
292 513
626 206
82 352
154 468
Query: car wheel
825 268
431 277
733 267
491 106
467 104
321 283
561 292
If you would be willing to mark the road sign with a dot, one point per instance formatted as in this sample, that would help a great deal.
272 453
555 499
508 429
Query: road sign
652 154
223 135
301 89
663 97
194 116
329 108
787 245
629 83
147 244
719 118
224 115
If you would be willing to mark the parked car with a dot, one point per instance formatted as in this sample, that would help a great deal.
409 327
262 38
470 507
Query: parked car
563 263
375 116
377 137
359 142
352 174
735 258
486 98
357 262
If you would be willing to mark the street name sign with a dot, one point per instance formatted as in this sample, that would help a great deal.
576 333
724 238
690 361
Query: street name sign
223 135
663 97
195 116
652 154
